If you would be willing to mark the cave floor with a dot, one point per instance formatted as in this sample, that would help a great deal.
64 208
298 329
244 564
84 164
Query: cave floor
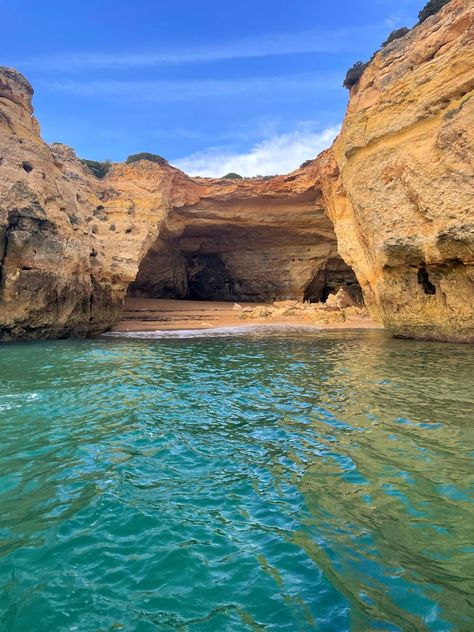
147 314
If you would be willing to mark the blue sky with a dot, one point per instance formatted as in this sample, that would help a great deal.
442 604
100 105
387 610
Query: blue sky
252 86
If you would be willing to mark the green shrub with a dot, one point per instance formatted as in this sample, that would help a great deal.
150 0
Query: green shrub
232 176
430 8
306 163
354 74
97 168
144 155
396 34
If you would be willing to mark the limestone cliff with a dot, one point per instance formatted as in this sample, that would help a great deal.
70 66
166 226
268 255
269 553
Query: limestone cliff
399 181
51 282
397 186
71 244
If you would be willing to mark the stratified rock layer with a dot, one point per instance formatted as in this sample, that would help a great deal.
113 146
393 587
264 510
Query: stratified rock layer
399 180
397 186
250 240
70 244
51 283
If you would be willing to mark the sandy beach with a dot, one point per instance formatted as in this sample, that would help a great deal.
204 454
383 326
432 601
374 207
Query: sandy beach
145 314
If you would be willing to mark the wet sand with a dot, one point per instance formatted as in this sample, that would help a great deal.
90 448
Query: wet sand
145 314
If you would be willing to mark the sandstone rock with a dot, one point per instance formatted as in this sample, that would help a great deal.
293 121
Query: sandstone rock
262 312
399 180
397 186
52 283
341 300
71 244
287 304
241 240
355 312
284 312
257 312
325 317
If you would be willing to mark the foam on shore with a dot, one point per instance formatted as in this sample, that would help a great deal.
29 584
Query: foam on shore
214 332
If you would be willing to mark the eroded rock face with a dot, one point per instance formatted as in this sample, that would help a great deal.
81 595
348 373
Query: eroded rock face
70 244
51 281
399 181
250 240
397 186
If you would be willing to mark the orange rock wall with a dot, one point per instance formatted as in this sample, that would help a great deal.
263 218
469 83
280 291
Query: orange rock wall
399 181
397 186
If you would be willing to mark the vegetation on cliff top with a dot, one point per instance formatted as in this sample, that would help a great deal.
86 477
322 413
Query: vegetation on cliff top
144 155
396 34
97 168
232 176
101 168
356 71
430 8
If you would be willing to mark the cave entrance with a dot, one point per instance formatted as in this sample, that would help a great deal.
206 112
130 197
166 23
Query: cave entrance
243 255
244 273
208 279
173 270
330 278
219 263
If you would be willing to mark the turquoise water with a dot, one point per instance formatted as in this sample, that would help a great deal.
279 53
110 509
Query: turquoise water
259 482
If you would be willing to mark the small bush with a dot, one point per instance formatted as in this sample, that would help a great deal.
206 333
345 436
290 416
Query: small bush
354 74
430 8
232 176
97 168
396 34
146 156
306 163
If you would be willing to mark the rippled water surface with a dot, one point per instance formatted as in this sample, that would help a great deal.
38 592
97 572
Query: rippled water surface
261 482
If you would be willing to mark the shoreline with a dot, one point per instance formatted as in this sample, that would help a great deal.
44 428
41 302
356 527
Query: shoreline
145 315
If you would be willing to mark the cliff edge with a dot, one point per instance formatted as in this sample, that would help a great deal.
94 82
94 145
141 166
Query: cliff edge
399 180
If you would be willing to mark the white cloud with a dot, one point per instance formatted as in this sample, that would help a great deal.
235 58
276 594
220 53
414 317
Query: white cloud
396 20
280 154
181 90
310 41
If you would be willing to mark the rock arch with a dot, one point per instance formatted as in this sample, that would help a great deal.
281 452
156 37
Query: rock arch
251 240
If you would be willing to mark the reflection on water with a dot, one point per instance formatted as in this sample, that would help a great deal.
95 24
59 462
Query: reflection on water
266 482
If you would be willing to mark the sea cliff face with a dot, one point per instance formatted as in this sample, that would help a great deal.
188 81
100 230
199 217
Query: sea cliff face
396 189
51 282
399 180
72 244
